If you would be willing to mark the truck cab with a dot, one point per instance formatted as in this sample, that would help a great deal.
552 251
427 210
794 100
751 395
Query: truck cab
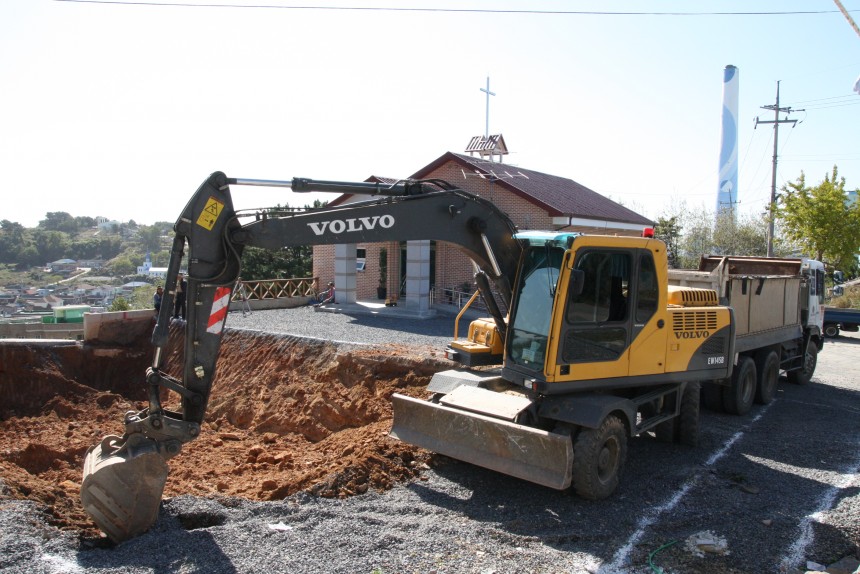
812 290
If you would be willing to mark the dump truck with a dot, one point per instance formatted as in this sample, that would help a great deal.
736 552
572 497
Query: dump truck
593 347
778 311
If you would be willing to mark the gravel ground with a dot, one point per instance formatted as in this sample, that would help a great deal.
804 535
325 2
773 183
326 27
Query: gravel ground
380 328
772 489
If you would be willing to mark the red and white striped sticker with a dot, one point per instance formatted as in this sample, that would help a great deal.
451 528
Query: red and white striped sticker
220 306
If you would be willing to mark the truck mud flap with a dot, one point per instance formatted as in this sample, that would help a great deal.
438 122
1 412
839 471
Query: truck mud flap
121 492
528 453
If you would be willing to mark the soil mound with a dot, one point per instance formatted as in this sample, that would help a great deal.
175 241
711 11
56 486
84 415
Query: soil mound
285 415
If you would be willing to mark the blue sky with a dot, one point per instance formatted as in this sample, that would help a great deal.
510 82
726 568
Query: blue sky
121 110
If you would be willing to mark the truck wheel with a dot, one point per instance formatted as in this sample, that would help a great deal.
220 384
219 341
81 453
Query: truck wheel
804 375
831 330
688 420
598 457
767 367
738 396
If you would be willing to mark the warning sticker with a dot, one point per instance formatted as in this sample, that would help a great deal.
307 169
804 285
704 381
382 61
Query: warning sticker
210 213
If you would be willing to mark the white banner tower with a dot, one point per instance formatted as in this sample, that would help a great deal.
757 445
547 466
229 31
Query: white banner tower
727 194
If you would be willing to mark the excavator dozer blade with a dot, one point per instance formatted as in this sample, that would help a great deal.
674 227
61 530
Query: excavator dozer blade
528 453
121 491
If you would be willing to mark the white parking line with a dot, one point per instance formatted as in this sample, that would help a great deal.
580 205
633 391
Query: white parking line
623 554
797 551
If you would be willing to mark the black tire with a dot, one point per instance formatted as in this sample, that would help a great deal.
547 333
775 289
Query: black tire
804 375
712 397
598 458
739 395
831 330
767 368
667 431
688 421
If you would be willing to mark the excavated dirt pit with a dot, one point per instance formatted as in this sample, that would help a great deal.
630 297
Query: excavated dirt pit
285 415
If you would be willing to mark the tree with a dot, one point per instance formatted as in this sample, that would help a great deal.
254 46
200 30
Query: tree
85 222
11 241
744 235
149 237
109 247
119 304
122 266
289 262
51 245
59 221
698 240
668 230
820 219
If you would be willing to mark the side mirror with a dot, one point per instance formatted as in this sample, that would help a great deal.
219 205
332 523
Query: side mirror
577 281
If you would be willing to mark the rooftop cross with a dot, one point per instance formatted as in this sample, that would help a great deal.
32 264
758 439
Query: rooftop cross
489 93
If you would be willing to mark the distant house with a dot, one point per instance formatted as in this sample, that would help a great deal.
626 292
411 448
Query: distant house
108 226
91 263
63 266
532 199
128 288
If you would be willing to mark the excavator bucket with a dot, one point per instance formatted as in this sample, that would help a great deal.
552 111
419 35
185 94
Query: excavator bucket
528 453
122 487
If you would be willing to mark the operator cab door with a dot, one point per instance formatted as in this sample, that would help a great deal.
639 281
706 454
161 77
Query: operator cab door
606 329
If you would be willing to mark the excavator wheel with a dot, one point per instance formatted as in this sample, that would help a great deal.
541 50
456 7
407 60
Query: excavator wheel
120 491
598 457
688 421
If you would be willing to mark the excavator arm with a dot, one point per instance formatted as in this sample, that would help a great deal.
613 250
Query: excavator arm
124 476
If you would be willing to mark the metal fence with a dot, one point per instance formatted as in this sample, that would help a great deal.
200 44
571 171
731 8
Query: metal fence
263 289
457 299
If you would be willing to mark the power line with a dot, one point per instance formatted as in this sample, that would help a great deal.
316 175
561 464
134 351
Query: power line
845 96
455 10
835 105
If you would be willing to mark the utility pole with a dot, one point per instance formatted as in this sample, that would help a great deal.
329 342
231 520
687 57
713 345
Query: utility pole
775 121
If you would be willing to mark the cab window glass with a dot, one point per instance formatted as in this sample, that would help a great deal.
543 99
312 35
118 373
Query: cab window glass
605 290
597 318
647 291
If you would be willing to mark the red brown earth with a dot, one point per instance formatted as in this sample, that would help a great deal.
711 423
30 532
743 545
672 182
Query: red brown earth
285 415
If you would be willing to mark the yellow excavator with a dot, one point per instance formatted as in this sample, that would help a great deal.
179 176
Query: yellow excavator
593 345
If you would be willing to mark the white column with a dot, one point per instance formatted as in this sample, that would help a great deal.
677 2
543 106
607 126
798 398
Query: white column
418 277
344 272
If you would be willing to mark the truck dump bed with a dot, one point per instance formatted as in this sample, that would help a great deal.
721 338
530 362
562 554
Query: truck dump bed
765 295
